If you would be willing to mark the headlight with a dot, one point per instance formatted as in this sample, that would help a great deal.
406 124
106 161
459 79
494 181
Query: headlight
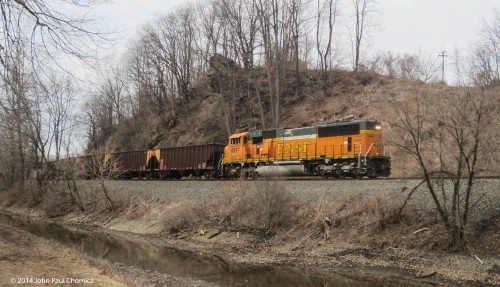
378 127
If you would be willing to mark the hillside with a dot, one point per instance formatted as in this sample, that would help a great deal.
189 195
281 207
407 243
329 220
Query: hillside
204 119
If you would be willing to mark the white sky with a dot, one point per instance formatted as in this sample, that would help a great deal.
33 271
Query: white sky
432 25
404 26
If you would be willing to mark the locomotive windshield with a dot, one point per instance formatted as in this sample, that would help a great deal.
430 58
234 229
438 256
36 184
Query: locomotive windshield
373 126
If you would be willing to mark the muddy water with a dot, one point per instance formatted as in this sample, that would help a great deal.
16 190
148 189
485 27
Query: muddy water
143 254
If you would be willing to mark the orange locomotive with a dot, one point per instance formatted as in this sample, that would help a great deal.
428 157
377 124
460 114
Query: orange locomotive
352 148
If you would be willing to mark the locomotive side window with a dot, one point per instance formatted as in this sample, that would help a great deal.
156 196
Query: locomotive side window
257 140
245 140
332 131
269 134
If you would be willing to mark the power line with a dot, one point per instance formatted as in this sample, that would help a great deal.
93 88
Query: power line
443 54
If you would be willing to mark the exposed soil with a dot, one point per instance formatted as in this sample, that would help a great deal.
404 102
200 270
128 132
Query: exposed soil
26 258
30 260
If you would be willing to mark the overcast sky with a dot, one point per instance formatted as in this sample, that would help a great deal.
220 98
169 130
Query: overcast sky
431 24
404 25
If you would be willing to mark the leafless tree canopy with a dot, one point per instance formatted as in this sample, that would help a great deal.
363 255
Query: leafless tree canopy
37 105
48 28
485 60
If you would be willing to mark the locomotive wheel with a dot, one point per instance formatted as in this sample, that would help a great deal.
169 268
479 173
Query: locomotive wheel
255 175
323 174
356 174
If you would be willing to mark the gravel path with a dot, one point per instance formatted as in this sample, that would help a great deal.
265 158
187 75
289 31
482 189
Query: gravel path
486 195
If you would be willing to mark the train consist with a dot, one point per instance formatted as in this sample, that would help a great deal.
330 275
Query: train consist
351 148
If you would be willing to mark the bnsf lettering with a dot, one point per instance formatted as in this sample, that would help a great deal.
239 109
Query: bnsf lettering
292 148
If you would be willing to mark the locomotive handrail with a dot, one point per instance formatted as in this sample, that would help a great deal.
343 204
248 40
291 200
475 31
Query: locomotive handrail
220 164
359 156
366 154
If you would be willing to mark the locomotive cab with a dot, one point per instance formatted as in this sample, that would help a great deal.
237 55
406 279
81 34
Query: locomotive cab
236 154
237 148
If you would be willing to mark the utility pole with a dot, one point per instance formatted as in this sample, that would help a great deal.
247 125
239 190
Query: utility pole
443 54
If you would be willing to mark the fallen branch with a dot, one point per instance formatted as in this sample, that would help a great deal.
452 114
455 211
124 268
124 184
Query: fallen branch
217 232
426 275
474 255
420 230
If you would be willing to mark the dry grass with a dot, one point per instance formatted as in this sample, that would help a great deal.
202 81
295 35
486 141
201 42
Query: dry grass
354 217
261 204
367 215
374 220
182 216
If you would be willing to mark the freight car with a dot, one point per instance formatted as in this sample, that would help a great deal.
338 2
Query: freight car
351 148
168 163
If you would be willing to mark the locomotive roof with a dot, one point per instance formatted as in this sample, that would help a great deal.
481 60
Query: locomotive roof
238 135
280 132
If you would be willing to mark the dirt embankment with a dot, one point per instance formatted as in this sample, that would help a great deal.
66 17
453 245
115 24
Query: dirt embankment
30 260
362 232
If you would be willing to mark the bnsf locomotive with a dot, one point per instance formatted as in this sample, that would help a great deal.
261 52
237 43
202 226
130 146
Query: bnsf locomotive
351 148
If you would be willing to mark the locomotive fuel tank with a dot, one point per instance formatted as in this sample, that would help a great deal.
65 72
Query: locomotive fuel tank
280 169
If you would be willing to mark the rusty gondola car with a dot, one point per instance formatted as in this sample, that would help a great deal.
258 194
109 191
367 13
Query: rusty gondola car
197 160
173 162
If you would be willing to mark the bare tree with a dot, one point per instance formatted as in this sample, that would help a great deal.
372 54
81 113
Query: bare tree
486 55
446 139
102 166
238 19
275 25
324 50
47 28
362 10
174 38
16 85
421 66
60 97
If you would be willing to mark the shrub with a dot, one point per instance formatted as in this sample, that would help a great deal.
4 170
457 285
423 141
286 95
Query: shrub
182 216
260 204
366 215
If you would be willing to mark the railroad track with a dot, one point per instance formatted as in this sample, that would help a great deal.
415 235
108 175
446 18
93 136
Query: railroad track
296 178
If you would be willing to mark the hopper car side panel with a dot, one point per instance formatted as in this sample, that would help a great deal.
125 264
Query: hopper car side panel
195 160
129 164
